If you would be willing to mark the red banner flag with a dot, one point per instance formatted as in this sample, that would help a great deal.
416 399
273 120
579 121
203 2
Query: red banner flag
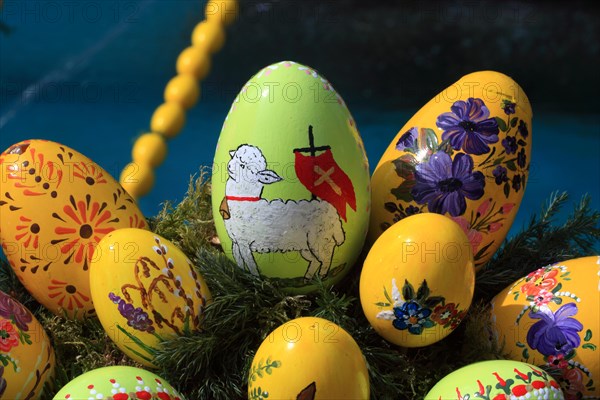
325 179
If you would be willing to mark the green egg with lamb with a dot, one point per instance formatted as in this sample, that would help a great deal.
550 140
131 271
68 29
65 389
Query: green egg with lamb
290 184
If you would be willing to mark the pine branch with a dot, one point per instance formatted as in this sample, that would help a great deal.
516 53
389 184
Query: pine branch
541 244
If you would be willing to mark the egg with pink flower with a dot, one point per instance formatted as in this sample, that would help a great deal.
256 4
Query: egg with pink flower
551 318
466 155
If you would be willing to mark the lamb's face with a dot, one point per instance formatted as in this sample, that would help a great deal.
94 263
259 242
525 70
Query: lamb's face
246 163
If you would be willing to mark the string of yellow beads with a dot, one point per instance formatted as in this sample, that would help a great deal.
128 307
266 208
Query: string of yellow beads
181 93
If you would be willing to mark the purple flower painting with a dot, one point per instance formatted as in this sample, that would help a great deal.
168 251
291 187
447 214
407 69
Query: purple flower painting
555 333
408 140
469 126
444 183
12 310
136 317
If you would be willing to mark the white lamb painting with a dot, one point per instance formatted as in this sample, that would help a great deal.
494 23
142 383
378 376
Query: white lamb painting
257 225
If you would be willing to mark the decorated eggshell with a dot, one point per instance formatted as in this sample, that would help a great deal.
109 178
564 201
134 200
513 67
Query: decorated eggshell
145 289
498 380
418 279
118 383
551 318
55 206
308 358
290 184
26 355
465 154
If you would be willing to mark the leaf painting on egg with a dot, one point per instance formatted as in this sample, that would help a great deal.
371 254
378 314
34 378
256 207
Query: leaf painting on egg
441 177
415 311
158 284
256 224
520 385
556 335
258 371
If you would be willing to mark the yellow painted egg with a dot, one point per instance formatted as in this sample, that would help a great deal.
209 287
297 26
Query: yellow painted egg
55 206
309 358
417 281
144 289
26 355
290 183
464 154
118 383
551 318
497 380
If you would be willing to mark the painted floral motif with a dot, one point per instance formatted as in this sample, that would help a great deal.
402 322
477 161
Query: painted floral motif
521 385
3 383
67 295
85 222
36 176
469 127
444 177
164 287
556 334
9 337
443 183
415 311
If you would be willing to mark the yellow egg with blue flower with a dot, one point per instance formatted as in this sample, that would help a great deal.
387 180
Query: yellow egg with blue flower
465 154
551 318
145 289
418 279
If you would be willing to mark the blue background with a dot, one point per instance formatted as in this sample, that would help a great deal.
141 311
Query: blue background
90 74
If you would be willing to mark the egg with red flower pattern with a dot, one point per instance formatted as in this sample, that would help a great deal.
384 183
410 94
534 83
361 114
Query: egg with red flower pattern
26 355
497 380
55 206
118 383
551 318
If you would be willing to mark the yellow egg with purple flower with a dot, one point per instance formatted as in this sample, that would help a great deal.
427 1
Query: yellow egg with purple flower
26 355
465 154
551 318
145 289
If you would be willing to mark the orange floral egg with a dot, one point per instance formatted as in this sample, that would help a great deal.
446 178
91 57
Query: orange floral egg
55 206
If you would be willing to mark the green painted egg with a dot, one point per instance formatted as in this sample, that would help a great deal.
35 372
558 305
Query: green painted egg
118 383
291 189
497 380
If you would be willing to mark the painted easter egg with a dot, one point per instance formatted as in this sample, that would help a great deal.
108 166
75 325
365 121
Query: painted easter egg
465 154
551 318
417 283
498 380
26 355
118 383
55 206
308 358
145 289
290 183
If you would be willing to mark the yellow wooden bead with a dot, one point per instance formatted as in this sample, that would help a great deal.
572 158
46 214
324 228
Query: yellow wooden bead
194 61
225 11
150 149
209 34
137 179
183 90
168 119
